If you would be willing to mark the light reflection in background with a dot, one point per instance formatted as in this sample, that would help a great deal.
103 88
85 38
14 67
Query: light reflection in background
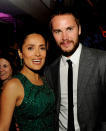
8 19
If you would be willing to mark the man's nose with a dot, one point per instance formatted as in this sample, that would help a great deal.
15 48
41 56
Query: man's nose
64 36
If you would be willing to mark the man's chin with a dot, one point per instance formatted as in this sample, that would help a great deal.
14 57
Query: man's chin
69 52
66 53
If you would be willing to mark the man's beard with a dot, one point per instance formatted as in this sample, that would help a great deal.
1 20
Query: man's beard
66 53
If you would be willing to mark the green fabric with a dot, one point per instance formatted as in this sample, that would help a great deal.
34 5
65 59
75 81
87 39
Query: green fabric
36 113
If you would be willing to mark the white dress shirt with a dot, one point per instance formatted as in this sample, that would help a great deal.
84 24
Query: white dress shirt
63 115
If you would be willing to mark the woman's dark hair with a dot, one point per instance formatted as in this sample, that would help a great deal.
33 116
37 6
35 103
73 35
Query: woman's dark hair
23 35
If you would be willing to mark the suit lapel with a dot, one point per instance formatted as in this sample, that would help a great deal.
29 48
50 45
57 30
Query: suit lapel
85 69
56 82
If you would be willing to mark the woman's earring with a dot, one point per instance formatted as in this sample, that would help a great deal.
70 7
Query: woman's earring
21 62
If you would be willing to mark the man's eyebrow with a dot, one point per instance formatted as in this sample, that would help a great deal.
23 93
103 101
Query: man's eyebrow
56 30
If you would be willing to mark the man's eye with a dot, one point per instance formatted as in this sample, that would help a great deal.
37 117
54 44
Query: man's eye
57 31
69 28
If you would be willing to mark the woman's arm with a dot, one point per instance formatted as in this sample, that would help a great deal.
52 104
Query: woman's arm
8 99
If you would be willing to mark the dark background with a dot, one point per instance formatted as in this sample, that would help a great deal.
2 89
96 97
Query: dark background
34 15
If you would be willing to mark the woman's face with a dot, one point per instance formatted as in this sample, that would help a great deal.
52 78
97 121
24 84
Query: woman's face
33 52
5 69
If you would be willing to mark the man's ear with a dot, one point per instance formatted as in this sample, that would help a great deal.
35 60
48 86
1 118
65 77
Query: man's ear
79 29
20 53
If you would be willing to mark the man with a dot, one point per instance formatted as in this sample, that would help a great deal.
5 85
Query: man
89 77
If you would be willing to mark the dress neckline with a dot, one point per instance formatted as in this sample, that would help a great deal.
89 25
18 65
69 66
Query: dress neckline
30 81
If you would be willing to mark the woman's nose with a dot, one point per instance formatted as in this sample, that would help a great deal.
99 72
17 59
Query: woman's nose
1 69
37 52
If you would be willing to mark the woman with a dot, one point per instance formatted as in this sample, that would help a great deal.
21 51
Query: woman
6 67
28 94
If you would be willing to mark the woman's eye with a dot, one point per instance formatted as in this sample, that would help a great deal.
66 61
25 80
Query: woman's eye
5 66
43 48
30 48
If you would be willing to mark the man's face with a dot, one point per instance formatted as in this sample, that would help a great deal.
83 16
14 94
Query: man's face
66 32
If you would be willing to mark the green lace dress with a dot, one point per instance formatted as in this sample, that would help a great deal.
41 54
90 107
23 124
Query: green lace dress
36 113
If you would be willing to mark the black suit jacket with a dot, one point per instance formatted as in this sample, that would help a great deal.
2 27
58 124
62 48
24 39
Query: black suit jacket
91 89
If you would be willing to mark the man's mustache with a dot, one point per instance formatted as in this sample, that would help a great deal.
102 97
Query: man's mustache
66 41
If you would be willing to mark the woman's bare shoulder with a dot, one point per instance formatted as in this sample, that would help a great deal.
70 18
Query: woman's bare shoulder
12 85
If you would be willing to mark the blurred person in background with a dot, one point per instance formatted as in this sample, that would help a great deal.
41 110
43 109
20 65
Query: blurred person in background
7 70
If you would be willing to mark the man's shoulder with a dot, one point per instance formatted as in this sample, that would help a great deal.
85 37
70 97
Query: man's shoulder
94 51
55 62
53 65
